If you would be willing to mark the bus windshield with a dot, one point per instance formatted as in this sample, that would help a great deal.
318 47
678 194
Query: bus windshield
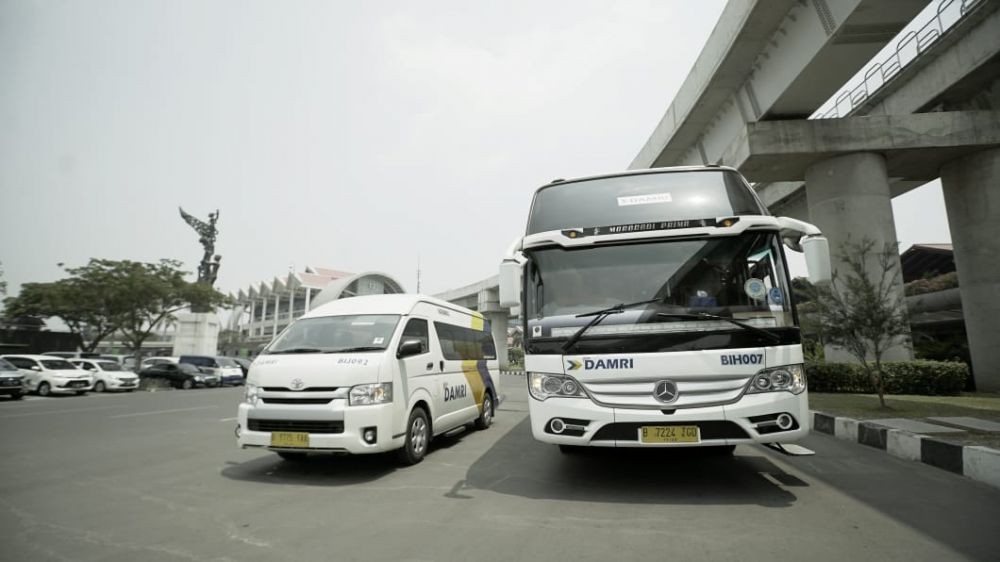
640 198
741 277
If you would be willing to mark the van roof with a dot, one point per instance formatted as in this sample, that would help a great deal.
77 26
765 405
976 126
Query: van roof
382 304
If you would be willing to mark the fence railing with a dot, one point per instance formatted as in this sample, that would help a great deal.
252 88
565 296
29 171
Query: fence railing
910 46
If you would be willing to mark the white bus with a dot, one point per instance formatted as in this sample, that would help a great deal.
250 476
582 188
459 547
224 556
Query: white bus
370 374
658 311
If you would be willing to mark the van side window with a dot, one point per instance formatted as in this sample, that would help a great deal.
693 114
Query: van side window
416 329
458 343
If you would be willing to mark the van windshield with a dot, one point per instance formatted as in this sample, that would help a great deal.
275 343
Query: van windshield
335 334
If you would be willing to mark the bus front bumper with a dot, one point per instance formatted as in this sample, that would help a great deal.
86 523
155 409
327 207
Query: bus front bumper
752 419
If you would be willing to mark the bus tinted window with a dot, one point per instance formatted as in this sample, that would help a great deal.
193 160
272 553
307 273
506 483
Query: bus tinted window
642 198
459 343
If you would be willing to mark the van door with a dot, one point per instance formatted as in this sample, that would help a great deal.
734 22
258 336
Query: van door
463 384
415 372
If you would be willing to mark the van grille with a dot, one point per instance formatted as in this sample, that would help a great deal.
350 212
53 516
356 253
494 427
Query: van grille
296 400
309 389
307 426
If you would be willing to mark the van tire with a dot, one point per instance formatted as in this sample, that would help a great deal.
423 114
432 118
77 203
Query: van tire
418 437
485 419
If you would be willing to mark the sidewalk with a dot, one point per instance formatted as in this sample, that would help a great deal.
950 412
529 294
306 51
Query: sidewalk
960 434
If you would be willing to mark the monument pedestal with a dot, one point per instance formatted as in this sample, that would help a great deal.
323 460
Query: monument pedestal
197 334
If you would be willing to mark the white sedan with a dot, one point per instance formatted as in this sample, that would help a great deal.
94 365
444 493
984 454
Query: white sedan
45 374
108 375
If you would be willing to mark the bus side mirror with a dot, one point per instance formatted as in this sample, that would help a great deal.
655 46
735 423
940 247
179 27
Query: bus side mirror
409 348
510 283
817 251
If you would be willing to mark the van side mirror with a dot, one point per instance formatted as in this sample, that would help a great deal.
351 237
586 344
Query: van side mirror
409 348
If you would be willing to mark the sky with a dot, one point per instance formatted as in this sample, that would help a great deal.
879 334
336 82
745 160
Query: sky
358 136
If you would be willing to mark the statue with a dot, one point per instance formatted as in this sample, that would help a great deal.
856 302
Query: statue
208 270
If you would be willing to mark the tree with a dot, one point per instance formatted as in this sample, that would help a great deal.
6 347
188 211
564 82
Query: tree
865 314
151 293
86 302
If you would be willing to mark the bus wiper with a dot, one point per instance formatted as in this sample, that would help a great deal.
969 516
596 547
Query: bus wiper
703 316
359 348
599 316
295 350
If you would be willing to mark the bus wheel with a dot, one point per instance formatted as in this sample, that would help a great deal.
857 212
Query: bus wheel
418 437
485 419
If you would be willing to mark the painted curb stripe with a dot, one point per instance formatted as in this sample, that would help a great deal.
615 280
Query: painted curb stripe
823 423
872 435
942 455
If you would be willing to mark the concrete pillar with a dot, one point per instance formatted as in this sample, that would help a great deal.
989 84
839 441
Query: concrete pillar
253 311
971 186
849 200
263 314
308 298
498 326
277 309
291 305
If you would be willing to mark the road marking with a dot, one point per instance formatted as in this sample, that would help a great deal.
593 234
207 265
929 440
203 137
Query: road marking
61 412
162 412
227 419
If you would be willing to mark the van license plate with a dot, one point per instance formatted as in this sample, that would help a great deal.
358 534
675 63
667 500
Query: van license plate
289 439
669 434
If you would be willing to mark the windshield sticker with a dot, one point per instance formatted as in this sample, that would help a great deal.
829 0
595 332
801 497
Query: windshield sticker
644 199
755 289
775 296
378 341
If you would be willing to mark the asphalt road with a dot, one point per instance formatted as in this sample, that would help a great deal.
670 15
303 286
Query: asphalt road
157 476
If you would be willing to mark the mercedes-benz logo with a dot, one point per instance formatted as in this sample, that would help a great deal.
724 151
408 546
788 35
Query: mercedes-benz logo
297 384
665 391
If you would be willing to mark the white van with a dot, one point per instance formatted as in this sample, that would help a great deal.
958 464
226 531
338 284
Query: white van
370 374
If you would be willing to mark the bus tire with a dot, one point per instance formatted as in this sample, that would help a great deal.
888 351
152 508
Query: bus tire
418 437
485 419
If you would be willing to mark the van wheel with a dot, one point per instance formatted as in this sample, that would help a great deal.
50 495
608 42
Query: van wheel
485 419
44 389
418 437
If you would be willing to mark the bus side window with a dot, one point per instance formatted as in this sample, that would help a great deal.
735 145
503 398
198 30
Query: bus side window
416 329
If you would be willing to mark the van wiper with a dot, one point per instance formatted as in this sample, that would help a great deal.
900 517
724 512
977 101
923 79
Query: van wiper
295 350
599 316
359 348
703 316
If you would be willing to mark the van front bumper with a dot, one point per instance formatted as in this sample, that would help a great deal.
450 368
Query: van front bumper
332 428
749 420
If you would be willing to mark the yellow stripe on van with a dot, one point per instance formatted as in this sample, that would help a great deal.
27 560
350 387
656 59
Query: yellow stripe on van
477 323
471 371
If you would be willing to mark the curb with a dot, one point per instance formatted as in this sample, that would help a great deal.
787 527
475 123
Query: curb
978 463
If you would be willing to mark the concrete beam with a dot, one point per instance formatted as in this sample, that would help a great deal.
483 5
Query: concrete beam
915 146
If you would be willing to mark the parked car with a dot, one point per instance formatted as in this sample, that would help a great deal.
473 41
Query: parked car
108 375
46 374
11 380
179 375
150 361
228 370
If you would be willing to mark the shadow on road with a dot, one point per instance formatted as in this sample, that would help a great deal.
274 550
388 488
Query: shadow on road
324 469
520 466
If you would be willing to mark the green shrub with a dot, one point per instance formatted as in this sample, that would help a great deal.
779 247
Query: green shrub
901 377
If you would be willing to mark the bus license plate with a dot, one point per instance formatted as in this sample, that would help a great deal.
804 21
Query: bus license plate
669 434
289 439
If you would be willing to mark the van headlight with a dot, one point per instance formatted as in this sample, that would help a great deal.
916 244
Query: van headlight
549 385
787 378
368 394
252 394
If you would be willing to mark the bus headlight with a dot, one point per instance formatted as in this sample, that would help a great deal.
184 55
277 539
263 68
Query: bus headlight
787 378
252 394
367 394
548 385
